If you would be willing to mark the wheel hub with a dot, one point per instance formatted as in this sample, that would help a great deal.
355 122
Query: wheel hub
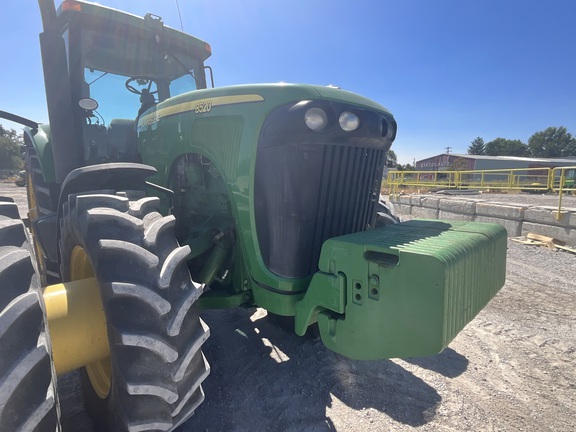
78 325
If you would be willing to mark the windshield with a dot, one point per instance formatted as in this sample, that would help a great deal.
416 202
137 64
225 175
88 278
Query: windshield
126 71
114 100
121 96
183 84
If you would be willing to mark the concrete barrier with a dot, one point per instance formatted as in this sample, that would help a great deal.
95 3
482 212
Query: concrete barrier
516 218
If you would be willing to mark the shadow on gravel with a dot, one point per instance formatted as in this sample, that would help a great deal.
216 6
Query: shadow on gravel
448 363
266 379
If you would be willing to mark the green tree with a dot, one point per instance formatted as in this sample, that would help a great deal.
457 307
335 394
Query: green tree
391 159
11 134
10 149
9 154
477 147
552 142
506 147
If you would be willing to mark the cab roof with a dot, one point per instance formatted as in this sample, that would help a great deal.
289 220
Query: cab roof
120 42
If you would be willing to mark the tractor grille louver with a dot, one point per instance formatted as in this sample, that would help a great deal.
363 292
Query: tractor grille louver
348 194
307 193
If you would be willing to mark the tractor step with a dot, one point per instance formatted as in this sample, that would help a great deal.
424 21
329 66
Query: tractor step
403 290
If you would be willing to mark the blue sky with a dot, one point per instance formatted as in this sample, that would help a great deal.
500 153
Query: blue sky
449 70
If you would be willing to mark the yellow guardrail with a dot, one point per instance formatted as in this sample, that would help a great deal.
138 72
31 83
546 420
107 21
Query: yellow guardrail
559 180
423 178
562 179
518 178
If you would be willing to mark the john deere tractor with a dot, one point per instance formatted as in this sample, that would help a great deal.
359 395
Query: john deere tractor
152 197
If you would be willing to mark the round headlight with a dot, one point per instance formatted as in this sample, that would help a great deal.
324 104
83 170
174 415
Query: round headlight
349 121
316 119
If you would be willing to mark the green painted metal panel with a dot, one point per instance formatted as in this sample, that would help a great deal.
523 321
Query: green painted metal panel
41 142
410 288
228 134
222 135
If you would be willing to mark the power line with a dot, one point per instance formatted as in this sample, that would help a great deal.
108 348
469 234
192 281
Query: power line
448 149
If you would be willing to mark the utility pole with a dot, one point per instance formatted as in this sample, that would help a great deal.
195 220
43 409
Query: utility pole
448 149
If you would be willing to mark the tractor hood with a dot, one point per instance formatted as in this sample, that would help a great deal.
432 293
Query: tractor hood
203 101
257 140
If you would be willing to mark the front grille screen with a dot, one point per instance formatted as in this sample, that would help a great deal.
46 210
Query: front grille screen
306 193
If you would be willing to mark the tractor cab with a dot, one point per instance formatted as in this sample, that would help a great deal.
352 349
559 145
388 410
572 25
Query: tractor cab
110 67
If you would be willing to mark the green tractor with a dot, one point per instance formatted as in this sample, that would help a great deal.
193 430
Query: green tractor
152 197
564 179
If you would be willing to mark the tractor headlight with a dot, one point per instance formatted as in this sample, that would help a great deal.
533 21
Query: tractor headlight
388 129
349 121
391 132
316 119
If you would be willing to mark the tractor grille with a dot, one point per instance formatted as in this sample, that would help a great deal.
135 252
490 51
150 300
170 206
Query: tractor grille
348 194
307 193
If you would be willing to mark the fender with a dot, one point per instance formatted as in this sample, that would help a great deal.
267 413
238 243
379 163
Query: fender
40 139
116 176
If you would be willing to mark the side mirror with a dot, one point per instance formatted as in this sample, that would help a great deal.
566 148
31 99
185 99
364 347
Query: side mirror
88 104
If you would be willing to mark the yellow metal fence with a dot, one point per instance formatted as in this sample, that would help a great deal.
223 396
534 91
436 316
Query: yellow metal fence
560 180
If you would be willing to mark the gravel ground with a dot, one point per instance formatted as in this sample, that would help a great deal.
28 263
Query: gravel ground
512 368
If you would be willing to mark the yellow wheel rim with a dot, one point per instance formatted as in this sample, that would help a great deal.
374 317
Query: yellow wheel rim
99 372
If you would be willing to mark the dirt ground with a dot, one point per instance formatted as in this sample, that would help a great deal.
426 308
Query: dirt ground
512 369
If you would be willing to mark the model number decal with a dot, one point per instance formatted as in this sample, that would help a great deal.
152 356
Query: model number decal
203 107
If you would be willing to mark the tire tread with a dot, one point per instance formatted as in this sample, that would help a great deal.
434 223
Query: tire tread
28 399
147 296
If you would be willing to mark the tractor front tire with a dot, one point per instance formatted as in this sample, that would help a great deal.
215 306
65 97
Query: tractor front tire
152 379
385 214
28 398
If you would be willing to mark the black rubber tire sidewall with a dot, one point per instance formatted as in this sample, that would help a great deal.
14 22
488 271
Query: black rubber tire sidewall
93 222
24 340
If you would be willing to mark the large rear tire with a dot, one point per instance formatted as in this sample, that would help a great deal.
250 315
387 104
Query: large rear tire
152 380
28 399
